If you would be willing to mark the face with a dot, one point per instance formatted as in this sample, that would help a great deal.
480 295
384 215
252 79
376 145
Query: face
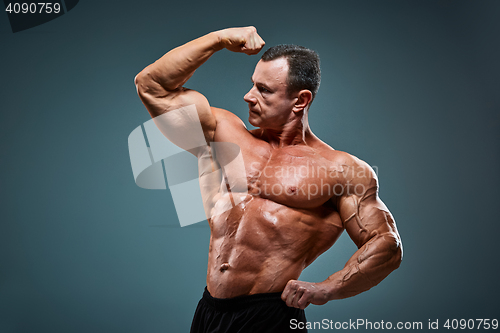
269 103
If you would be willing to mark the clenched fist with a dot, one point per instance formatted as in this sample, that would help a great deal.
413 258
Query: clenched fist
300 294
245 40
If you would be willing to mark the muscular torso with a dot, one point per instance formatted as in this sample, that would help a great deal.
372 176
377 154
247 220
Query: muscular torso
286 219
274 221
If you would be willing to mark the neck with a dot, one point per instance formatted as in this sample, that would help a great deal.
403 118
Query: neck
294 132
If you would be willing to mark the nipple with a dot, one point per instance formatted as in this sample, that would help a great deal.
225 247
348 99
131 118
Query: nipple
224 267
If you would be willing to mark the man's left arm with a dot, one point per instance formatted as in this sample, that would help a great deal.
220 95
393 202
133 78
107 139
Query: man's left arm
372 228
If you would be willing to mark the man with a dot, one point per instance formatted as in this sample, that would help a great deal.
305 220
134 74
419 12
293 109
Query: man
299 195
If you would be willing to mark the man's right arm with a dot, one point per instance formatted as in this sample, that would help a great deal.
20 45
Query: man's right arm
160 85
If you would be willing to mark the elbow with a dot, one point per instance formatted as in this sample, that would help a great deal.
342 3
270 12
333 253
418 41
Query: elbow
141 81
397 253
398 256
146 85
136 79
139 85
393 251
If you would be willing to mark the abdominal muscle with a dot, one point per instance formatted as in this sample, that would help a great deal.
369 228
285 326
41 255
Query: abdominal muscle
259 245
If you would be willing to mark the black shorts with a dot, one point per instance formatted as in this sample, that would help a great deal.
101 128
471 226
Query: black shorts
260 313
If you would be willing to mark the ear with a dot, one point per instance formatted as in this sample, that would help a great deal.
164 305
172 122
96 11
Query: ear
304 97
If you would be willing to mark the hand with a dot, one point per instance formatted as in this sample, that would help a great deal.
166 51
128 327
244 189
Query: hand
300 294
245 40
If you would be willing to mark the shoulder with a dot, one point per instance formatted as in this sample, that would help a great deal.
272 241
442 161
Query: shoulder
227 117
229 128
350 169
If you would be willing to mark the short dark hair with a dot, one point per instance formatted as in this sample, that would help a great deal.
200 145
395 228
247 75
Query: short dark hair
303 66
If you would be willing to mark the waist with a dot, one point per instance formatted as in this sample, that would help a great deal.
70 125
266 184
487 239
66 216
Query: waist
234 303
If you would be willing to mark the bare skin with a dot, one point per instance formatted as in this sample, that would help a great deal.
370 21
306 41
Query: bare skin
302 194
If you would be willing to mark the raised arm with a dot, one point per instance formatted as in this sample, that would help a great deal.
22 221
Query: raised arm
159 85
372 228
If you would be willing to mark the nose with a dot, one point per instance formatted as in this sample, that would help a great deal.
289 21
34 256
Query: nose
249 97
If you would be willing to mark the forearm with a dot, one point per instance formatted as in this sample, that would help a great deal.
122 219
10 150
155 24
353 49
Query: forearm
173 69
367 267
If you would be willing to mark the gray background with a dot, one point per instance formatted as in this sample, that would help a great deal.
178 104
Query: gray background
408 86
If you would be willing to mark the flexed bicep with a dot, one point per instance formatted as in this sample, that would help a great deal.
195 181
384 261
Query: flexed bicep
372 228
160 85
188 121
364 215
181 114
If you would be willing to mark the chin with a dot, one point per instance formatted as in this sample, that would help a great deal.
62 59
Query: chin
254 122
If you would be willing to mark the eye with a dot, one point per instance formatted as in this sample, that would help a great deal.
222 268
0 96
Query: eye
263 90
